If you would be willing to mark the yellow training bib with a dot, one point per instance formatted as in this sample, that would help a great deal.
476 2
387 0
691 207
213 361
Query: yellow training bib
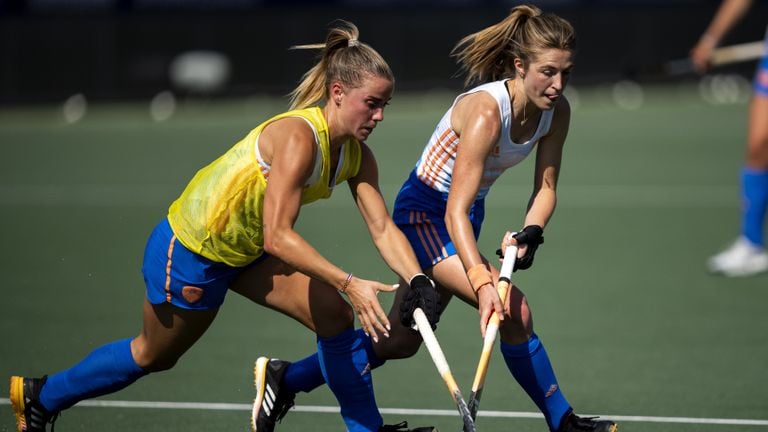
219 214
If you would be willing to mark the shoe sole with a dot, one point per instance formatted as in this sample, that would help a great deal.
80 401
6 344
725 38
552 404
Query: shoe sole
16 395
259 382
742 273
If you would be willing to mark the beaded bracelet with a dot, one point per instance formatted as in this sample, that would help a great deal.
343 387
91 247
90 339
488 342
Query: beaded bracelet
345 285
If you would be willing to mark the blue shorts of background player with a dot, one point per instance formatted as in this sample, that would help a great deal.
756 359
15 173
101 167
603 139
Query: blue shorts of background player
760 83
420 214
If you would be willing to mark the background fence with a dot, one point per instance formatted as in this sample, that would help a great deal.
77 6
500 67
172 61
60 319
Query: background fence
107 49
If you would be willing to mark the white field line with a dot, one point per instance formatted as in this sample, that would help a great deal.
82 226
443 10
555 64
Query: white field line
399 411
501 196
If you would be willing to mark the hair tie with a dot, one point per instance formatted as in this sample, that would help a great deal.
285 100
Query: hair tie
353 42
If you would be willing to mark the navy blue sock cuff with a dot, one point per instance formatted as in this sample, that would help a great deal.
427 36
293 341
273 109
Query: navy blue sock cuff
342 342
122 351
523 350
754 171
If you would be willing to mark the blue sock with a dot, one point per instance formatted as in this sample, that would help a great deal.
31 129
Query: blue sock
306 375
106 369
344 363
754 189
530 366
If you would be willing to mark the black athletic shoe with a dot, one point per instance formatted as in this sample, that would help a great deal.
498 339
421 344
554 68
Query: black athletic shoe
403 427
31 416
574 423
271 404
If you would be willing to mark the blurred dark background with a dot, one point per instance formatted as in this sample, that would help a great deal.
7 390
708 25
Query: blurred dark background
127 49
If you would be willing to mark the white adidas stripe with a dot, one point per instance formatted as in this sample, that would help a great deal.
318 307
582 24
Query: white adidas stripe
269 400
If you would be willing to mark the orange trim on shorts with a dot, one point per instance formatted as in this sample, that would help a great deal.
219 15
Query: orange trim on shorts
436 236
168 270
430 240
424 244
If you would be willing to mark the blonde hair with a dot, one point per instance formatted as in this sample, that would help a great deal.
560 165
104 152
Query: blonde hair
488 54
343 58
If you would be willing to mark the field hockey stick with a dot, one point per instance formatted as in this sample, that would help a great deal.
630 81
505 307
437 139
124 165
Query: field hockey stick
422 325
507 266
720 57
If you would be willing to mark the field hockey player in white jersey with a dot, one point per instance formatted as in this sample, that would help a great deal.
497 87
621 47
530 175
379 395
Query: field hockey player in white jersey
522 65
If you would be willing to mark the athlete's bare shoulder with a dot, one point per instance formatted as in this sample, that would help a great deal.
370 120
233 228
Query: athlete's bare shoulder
294 132
475 107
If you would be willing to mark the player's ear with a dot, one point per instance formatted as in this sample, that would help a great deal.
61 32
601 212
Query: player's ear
336 92
519 67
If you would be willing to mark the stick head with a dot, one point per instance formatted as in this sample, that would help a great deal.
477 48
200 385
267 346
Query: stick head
474 403
466 417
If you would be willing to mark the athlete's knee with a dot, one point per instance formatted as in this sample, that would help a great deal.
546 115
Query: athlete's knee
405 350
150 359
157 364
525 318
518 321
514 332
335 317
398 347
757 153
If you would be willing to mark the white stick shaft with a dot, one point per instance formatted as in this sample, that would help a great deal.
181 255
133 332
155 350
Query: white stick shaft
490 335
508 264
422 325
720 57
739 52
431 341
507 267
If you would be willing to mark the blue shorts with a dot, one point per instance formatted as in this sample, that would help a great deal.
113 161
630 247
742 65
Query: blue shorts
761 76
174 274
420 215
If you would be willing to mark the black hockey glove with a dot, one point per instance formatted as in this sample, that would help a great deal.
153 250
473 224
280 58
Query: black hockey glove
532 235
422 294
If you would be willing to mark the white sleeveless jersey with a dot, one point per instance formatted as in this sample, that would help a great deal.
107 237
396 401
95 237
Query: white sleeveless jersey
435 167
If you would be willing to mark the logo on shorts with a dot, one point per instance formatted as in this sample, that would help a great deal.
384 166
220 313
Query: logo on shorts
192 294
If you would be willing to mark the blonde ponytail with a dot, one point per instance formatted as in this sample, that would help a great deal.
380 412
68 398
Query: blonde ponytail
343 58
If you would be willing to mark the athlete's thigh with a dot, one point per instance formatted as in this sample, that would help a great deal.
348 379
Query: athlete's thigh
402 341
168 332
278 286
451 276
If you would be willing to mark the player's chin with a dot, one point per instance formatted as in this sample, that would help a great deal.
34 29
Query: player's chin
364 133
